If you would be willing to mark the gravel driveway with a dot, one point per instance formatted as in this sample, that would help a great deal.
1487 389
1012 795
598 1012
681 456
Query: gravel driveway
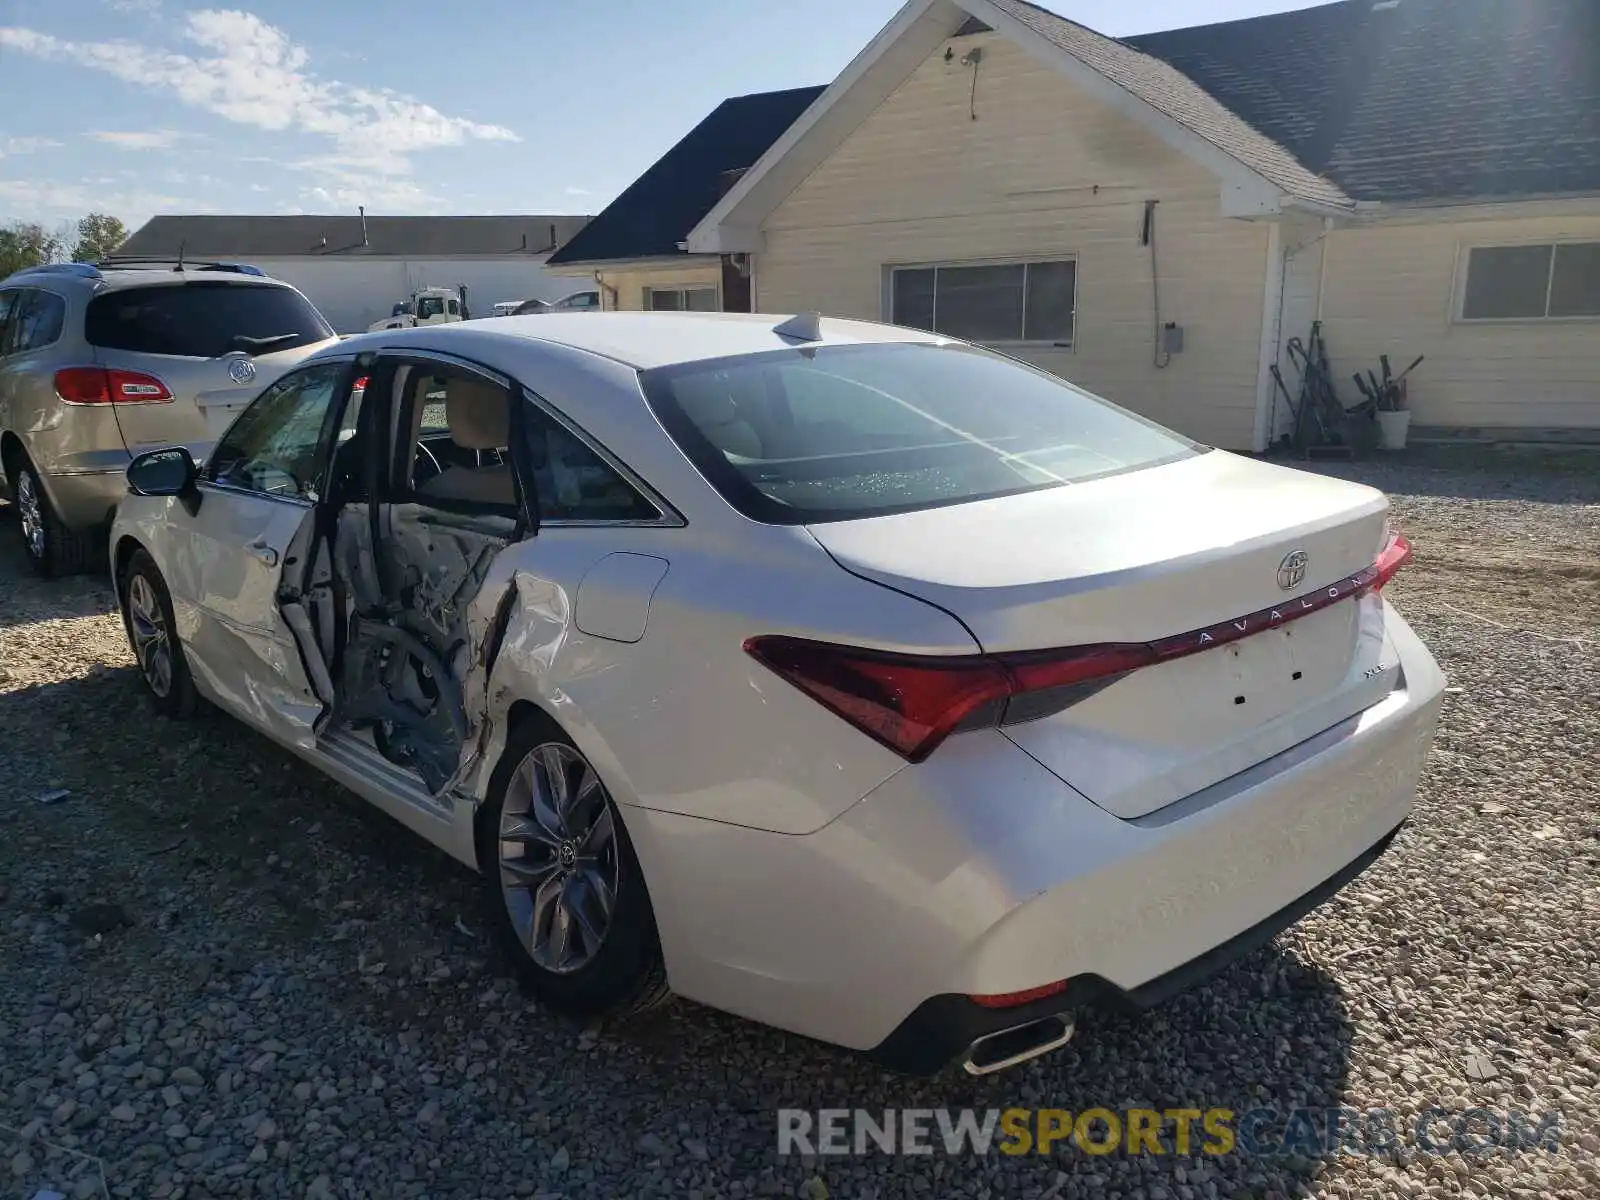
223 976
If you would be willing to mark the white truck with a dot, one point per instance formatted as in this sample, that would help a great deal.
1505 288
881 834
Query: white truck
426 306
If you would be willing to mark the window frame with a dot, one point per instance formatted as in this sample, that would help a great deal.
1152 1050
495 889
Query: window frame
325 437
683 290
533 520
1464 252
23 308
891 269
17 296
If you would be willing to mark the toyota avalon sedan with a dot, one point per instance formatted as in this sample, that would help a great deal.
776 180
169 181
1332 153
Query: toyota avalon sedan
850 678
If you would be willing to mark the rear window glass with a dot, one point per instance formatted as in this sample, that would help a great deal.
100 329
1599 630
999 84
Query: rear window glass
840 432
204 319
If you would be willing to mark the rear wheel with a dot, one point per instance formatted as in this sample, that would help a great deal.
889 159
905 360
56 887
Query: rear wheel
567 896
51 547
152 635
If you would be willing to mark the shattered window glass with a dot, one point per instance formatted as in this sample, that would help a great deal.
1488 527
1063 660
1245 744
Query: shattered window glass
274 445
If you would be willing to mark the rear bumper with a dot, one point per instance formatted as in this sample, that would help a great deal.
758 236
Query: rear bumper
978 872
943 1027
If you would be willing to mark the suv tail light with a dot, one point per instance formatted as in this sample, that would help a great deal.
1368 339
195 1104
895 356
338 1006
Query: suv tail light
911 703
102 385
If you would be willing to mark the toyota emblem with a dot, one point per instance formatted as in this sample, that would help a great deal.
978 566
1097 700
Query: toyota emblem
1292 570
241 370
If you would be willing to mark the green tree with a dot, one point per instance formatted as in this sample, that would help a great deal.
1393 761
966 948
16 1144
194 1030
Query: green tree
24 244
98 237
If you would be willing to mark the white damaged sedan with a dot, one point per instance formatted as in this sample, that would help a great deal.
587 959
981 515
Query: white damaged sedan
849 678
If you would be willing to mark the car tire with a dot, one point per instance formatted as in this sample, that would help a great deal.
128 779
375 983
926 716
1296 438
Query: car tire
152 636
544 903
52 548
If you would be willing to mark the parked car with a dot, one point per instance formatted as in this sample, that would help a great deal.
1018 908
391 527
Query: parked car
99 363
574 302
846 677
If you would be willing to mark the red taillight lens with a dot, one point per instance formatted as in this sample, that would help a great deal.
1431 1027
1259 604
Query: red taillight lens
98 385
912 703
1393 556
909 704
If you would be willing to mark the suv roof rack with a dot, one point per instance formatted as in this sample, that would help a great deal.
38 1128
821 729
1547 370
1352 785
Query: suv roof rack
119 263
82 270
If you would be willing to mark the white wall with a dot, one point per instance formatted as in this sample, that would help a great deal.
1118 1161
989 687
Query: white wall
1391 289
354 292
1043 170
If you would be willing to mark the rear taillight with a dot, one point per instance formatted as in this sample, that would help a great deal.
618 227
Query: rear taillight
100 385
911 703
1394 556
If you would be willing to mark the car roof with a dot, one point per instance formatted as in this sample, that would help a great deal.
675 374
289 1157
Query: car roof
107 279
641 340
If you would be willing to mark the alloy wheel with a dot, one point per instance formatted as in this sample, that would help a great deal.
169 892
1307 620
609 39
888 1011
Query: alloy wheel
31 511
152 643
559 861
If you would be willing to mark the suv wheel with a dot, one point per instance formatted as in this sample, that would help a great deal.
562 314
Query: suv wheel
567 898
52 548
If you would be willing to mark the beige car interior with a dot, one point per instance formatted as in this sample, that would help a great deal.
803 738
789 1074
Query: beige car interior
478 417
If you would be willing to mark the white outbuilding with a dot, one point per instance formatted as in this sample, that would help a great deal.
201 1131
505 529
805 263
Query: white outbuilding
357 268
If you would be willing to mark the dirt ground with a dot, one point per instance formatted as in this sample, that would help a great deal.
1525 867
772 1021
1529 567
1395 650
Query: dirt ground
225 976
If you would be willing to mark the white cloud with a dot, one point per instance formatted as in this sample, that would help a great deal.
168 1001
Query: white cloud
143 8
578 191
25 145
251 73
48 200
154 139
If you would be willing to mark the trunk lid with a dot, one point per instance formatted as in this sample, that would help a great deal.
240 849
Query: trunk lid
1142 557
184 332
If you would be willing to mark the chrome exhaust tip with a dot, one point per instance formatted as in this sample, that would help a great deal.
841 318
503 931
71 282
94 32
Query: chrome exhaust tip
998 1051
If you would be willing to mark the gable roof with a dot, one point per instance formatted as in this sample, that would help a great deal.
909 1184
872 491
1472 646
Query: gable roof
1173 95
658 209
1427 99
340 236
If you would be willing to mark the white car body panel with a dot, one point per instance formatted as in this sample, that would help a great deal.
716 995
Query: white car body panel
804 874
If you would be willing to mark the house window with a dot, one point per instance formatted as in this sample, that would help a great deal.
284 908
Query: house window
1522 283
990 302
681 299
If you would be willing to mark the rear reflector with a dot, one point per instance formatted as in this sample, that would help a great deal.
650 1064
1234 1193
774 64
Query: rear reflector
99 385
911 703
1014 999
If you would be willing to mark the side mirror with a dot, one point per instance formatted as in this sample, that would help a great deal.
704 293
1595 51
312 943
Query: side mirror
163 473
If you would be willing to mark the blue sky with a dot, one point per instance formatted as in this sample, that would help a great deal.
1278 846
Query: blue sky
493 106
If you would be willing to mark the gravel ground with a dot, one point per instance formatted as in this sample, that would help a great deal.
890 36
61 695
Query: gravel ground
223 976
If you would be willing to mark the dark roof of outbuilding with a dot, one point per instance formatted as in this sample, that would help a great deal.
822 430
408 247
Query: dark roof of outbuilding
657 210
340 236
1417 100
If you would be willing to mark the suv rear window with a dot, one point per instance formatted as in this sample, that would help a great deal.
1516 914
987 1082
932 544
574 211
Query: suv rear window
833 433
204 319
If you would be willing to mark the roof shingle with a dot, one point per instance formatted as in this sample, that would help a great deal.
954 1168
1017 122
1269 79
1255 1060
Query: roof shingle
1173 93
1423 100
315 236
658 209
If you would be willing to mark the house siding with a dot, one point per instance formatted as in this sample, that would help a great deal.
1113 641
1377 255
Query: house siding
629 284
1392 289
1303 242
1042 171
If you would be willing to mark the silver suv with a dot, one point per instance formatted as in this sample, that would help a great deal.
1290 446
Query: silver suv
101 362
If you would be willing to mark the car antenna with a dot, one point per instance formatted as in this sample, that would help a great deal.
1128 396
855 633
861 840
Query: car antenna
181 246
802 327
